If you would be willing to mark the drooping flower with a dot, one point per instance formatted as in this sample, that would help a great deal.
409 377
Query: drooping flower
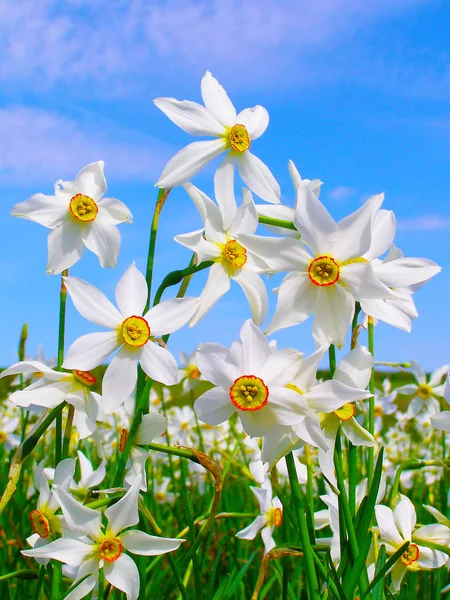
271 516
250 379
426 390
398 526
55 387
234 134
78 216
218 243
327 270
133 334
105 550
8 426
442 419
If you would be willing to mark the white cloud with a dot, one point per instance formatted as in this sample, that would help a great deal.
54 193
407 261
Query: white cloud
430 222
341 193
38 145
127 43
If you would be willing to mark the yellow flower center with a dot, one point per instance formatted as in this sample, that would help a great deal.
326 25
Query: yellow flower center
235 253
83 208
323 271
135 331
239 138
184 425
3 437
192 372
346 412
275 517
85 377
410 555
424 391
378 411
160 496
110 549
40 523
249 393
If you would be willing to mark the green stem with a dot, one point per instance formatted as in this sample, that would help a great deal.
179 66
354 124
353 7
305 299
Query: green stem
162 197
68 432
183 452
175 277
371 422
332 359
308 552
40 581
56 581
277 222
61 334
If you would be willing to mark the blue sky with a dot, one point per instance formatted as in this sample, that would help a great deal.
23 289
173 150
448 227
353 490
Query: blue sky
357 94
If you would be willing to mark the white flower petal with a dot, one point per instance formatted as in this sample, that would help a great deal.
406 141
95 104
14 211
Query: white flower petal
89 351
297 299
357 434
217 285
190 116
281 366
362 281
120 378
152 425
385 311
331 395
91 180
405 517
92 304
442 421
355 368
214 406
252 530
82 589
269 542
131 292
258 423
314 222
397 573
258 177
170 315
116 210
436 533
418 372
28 367
288 406
65 247
103 239
217 101
124 513
188 161
69 551
245 220
256 349
431 559
49 211
306 376
159 364
386 524
334 313
403 272
123 575
144 544
255 120
281 254
255 292
214 362
209 212
224 189
383 232
79 518
353 236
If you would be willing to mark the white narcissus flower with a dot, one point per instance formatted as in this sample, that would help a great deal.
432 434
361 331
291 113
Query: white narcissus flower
189 374
250 379
133 334
78 216
7 436
398 526
403 275
45 523
234 134
327 270
426 390
271 516
54 387
442 420
219 243
104 549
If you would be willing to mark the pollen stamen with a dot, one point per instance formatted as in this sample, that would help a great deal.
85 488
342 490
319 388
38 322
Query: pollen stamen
323 271
249 393
83 208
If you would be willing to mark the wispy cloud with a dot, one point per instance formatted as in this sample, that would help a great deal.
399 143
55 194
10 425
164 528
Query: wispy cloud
36 145
122 44
341 193
430 222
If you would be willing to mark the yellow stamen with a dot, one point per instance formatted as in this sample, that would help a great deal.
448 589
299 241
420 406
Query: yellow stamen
110 549
135 331
410 555
249 393
239 138
235 254
425 391
323 271
83 208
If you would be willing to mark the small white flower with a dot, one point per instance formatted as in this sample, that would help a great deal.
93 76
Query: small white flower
271 516
426 391
442 420
234 134
132 334
78 216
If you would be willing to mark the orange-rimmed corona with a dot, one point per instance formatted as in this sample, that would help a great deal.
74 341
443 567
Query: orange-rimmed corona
410 555
110 549
277 517
323 271
425 391
83 208
40 523
239 138
249 393
85 377
346 412
135 331
192 372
